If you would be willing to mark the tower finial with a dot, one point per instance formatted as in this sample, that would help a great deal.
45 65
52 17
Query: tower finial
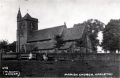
64 23
27 10
19 14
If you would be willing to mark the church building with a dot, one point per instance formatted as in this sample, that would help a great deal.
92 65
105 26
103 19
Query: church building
30 39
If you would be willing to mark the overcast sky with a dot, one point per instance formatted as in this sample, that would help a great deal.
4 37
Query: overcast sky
51 13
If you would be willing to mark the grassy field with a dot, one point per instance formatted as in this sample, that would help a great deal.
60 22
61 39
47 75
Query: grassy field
35 68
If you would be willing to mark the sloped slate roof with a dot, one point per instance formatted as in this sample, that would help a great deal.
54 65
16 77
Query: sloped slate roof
19 14
29 47
40 46
44 34
27 16
73 33
67 45
45 46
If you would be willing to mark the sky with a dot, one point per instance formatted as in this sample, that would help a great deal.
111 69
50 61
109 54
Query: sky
51 13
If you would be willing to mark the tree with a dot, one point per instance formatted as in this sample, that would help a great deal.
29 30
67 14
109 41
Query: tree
12 46
111 36
80 44
3 45
59 41
93 26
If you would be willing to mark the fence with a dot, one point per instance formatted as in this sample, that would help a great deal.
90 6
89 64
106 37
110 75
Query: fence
73 56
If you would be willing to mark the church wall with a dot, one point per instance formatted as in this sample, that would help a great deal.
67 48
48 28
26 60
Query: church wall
17 42
24 29
44 51
23 39
89 45
88 56
51 51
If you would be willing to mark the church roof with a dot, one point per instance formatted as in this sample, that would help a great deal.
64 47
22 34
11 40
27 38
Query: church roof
73 33
45 34
29 47
27 16
45 46
39 46
19 14
66 45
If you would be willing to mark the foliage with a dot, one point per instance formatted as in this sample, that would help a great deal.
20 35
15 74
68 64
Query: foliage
93 26
12 46
6 47
111 36
59 41
79 43
3 45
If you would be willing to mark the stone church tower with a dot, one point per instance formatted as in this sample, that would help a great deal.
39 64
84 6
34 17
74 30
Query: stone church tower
25 25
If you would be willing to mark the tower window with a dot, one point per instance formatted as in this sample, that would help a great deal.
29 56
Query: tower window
23 25
31 25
